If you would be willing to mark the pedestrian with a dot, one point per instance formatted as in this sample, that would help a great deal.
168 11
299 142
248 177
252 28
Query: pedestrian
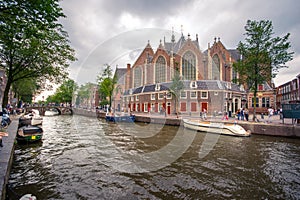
270 114
242 114
204 113
238 114
246 113
225 116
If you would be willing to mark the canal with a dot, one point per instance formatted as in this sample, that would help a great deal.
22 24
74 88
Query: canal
87 158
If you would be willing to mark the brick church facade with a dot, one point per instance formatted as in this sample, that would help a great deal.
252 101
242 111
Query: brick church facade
206 75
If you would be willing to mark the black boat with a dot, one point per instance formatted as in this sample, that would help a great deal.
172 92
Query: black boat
28 134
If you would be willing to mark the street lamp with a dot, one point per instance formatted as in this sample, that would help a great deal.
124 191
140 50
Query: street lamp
165 104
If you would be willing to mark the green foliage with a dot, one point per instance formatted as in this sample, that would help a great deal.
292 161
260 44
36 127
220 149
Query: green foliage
64 93
33 43
262 55
106 83
25 89
84 93
176 87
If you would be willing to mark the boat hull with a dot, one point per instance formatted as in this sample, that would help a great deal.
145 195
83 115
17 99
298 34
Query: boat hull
216 127
29 134
125 118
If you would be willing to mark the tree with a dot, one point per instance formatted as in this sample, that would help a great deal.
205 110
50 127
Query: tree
64 93
84 92
262 56
24 90
175 89
33 43
106 83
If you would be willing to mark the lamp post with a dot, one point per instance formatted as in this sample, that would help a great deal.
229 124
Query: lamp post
165 104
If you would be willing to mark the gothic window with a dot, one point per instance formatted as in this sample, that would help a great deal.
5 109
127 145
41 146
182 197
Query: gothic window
234 75
189 66
160 70
216 68
137 77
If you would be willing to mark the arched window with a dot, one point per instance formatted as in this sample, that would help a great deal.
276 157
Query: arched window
189 66
137 77
160 70
216 68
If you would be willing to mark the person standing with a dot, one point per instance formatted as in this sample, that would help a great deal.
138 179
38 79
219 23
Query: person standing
246 113
270 114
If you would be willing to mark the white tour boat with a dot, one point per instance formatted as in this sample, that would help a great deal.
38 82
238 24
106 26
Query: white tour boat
216 127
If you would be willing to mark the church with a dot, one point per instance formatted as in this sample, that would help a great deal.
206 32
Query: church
206 76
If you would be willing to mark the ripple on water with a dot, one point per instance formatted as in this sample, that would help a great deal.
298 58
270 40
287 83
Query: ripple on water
79 157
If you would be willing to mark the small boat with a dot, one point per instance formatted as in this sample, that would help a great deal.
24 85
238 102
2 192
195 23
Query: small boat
51 112
120 118
29 134
32 118
216 127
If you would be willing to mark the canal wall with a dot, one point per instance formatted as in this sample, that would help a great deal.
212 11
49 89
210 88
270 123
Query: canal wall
276 128
6 156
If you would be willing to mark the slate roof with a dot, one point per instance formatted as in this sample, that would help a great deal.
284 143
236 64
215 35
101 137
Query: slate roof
214 85
121 73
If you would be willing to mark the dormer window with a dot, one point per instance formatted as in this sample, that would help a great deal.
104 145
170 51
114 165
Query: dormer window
228 84
193 84
242 88
157 87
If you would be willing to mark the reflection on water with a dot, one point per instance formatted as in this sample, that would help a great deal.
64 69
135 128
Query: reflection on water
86 158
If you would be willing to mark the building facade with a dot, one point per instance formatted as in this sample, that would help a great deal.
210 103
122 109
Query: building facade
288 92
206 75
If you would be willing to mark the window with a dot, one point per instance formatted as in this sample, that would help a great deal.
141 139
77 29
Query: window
152 96
160 95
189 66
157 87
193 94
132 98
169 95
145 107
204 95
137 97
137 77
216 67
265 102
160 70
216 93
193 84
260 87
183 95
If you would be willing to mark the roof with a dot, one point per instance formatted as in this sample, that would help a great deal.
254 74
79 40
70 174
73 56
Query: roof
213 85
121 73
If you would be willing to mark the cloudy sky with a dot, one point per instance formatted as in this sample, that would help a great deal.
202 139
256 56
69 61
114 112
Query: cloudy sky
115 31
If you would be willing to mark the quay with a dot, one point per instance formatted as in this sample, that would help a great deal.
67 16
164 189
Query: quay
6 155
275 127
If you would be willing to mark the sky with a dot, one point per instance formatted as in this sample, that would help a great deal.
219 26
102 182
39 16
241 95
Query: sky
114 32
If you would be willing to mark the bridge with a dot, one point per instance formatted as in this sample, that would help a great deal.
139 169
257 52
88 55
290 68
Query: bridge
60 109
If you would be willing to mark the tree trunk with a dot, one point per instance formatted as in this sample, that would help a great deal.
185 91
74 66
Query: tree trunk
5 96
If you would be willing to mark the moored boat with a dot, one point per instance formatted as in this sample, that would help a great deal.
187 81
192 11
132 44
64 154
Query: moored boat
29 134
120 118
216 127
32 118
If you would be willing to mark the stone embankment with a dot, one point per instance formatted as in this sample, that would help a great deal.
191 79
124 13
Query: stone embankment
6 156
274 127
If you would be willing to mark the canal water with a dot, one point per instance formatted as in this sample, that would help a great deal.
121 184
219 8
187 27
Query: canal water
87 158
